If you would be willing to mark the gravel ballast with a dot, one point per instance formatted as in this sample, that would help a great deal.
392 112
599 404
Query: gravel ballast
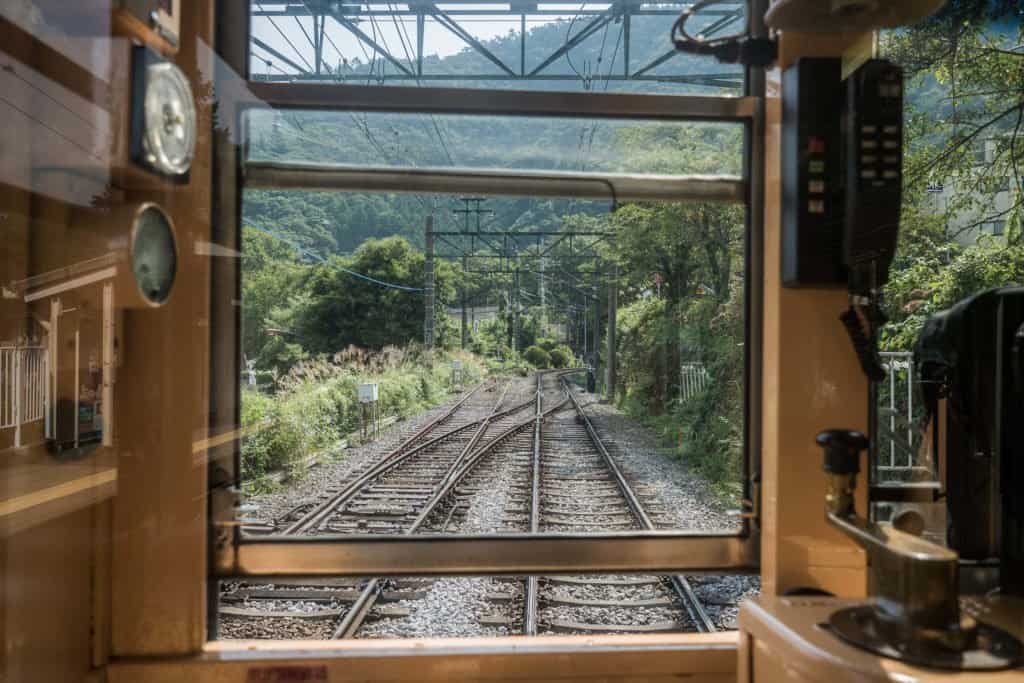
491 502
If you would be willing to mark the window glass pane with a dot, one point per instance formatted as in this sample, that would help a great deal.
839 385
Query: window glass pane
501 142
471 606
960 227
620 47
335 293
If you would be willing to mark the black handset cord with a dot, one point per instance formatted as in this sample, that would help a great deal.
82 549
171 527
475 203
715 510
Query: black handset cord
728 49
862 345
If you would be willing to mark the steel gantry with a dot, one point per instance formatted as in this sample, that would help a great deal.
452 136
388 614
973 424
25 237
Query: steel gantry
313 53
511 248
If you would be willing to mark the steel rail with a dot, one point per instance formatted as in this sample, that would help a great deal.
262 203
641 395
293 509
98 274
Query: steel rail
432 424
397 454
475 458
385 465
532 583
381 468
356 615
690 601
462 466
485 424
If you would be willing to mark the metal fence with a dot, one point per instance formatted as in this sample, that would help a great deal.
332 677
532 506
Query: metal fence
22 385
901 422
693 380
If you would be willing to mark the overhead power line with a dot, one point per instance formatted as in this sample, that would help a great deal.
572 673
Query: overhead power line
320 259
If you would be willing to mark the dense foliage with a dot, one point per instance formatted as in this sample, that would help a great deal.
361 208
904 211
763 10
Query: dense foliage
965 92
295 311
315 406
537 357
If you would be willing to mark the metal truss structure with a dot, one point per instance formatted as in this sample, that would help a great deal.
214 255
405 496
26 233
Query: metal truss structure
508 245
311 59
511 249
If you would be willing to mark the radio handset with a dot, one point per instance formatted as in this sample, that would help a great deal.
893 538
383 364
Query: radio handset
872 128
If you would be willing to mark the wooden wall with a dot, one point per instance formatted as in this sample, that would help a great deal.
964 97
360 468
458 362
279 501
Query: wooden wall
64 551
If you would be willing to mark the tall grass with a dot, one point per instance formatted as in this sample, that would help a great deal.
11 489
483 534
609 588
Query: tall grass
310 410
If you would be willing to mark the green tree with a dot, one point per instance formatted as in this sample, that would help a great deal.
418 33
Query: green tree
346 309
964 91
537 357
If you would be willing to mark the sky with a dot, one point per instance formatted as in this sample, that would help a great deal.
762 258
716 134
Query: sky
286 36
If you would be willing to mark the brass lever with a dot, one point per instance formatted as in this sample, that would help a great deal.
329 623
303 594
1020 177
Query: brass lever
915 613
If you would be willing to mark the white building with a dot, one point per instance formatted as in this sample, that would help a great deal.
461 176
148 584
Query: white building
990 217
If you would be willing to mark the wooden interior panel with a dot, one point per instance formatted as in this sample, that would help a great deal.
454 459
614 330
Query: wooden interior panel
811 382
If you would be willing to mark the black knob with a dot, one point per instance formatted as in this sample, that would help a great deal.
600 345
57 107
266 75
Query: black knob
842 450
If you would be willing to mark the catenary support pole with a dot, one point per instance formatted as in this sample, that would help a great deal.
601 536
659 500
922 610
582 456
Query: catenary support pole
613 305
428 287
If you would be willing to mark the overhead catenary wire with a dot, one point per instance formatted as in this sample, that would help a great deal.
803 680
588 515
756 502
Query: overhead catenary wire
308 253
286 39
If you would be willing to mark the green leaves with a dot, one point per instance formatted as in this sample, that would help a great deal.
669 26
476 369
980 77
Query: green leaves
965 106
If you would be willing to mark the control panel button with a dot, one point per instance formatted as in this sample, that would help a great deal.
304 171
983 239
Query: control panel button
868 144
815 145
816 186
869 173
868 129
816 206
890 174
891 130
869 159
891 160
816 166
891 144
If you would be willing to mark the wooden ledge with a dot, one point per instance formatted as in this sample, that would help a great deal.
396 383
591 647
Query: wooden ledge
36 487
695 657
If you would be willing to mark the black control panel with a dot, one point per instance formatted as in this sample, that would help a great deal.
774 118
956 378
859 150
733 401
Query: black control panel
812 207
842 159
873 134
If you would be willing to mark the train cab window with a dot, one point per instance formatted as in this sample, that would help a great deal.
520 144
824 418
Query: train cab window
379 313
494 318
470 326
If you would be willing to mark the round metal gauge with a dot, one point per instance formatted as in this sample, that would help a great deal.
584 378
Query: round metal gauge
154 257
169 120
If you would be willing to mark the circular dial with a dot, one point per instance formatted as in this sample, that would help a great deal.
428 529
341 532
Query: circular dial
169 139
154 258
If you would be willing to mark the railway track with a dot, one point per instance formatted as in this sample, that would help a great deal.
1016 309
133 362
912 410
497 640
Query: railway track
576 486
559 478
404 492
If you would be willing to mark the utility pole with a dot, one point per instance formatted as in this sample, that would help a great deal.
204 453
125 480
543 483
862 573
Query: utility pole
543 292
583 314
613 305
515 308
593 360
472 206
464 333
508 319
428 288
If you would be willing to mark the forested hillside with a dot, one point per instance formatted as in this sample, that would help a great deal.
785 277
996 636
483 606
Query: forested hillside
338 223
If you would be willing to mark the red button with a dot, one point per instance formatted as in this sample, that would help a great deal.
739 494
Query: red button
815 146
